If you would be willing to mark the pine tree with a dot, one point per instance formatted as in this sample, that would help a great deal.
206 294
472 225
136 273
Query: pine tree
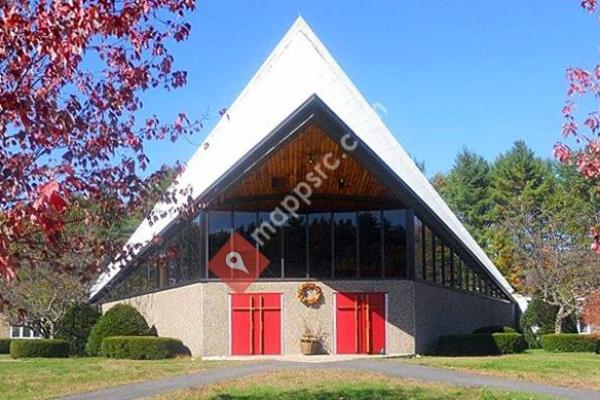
466 191
520 183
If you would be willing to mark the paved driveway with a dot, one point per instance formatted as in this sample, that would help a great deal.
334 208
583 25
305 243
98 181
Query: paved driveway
387 367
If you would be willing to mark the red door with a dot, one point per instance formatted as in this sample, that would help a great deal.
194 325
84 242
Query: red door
360 323
255 323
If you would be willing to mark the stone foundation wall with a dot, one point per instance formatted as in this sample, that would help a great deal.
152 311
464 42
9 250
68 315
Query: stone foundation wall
199 314
441 311
175 313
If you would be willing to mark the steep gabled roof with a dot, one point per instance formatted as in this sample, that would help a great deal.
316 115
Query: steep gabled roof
300 67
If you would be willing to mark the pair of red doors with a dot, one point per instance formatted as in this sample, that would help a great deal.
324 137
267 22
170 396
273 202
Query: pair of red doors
360 323
255 324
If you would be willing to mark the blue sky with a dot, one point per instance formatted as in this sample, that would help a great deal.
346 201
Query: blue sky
451 73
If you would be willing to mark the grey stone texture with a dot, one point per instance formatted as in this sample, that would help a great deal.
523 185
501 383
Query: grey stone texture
442 311
417 313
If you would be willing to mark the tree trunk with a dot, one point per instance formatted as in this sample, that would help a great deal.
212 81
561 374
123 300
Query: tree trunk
558 322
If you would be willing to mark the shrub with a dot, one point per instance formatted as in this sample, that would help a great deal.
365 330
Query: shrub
76 325
47 348
495 329
120 320
481 344
142 347
5 346
510 342
539 320
570 342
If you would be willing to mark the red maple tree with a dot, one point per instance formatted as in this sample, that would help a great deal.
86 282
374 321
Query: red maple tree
71 76
591 310
586 155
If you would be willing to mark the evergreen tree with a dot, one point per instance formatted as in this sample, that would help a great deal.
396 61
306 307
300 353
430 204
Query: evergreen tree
466 191
520 183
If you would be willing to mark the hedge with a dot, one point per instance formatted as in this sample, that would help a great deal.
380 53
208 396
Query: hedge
481 344
46 348
120 320
142 347
76 325
495 329
5 346
570 342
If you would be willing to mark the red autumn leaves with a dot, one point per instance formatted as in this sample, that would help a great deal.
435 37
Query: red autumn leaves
48 210
72 148
586 156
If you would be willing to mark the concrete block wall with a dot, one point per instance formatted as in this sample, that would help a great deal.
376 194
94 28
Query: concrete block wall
442 311
176 313
417 313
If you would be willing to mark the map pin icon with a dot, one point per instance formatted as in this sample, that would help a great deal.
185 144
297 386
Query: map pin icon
234 261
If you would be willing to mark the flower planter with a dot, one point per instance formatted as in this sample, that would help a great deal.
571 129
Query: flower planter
309 347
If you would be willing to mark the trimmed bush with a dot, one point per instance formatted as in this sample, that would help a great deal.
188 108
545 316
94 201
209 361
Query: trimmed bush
76 325
46 348
495 329
510 342
142 347
570 342
120 320
481 344
5 346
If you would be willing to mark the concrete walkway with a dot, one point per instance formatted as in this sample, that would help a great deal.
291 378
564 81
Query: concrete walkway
393 368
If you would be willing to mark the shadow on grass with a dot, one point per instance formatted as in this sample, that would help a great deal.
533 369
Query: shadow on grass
325 394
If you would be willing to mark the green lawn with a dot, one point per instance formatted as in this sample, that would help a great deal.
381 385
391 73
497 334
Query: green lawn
580 370
46 378
336 385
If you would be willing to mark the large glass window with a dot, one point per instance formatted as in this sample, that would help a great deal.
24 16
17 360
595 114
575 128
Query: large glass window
319 248
419 250
369 244
345 246
369 241
219 231
244 224
190 246
295 247
271 248
395 243
429 259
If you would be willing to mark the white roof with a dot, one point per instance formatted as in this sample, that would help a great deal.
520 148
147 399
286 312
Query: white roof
299 67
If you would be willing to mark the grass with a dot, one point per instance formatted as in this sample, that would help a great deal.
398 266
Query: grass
336 385
46 378
579 370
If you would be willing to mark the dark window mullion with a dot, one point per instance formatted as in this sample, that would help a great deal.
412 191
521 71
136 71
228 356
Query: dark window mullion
307 244
423 252
357 245
433 258
382 243
332 232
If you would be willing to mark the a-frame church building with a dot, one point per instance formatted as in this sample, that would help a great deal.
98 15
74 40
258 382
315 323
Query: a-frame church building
304 195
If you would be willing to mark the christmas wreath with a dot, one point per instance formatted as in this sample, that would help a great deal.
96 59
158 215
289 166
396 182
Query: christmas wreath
309 293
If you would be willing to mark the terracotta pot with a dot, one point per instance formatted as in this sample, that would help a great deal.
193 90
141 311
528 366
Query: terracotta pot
308 347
